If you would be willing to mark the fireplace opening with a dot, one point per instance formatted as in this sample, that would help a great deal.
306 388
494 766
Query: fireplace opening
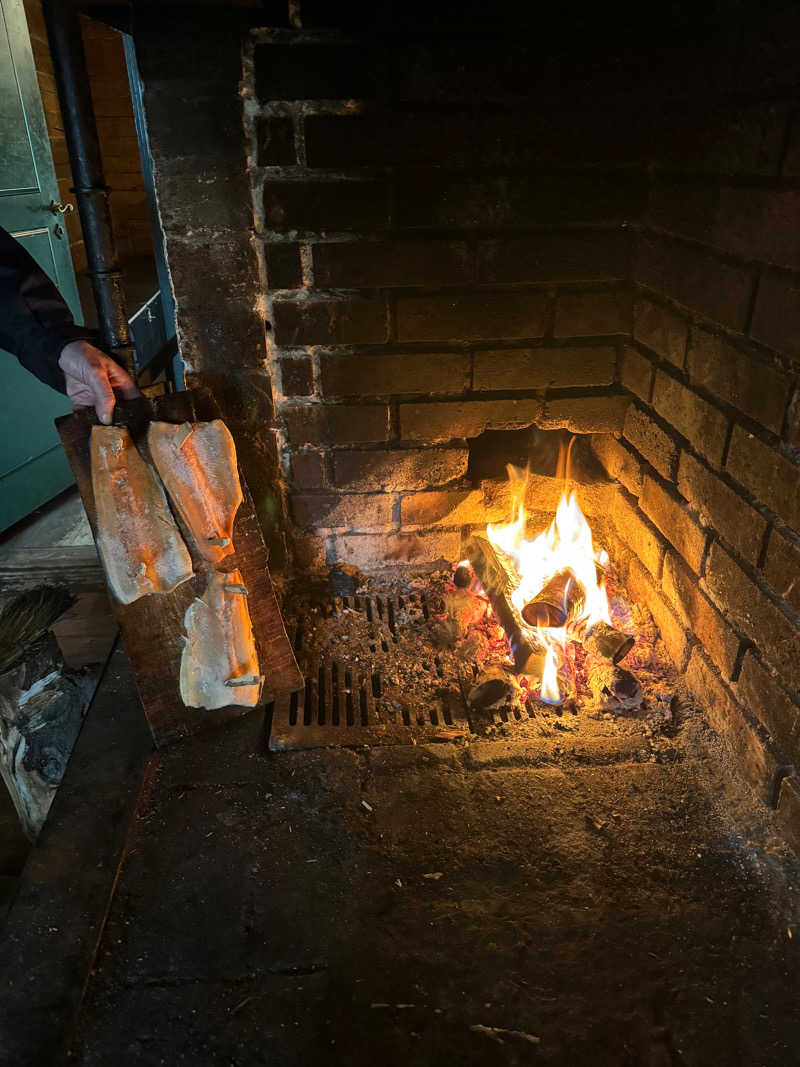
501 311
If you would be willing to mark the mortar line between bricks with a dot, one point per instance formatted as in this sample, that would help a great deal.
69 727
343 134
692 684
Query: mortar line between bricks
735 415
722 255
745 644
791 614
751 303
762 552
727 444
748 346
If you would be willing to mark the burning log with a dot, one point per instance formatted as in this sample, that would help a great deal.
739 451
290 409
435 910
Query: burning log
493 688
462 578
498 580
612 686
606 642
562 598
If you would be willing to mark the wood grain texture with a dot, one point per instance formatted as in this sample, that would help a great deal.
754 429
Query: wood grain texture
152 627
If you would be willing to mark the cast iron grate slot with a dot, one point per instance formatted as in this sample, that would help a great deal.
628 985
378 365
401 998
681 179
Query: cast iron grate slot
348 703
342 705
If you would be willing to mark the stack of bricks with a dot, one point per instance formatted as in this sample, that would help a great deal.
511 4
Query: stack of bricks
433 267
709 455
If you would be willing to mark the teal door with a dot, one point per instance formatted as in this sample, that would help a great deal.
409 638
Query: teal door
33 467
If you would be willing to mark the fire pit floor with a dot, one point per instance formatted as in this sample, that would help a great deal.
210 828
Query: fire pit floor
486 902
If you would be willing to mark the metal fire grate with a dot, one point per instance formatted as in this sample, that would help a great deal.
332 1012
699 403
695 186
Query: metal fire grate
345 703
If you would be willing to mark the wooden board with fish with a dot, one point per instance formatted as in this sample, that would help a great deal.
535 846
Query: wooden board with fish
153 624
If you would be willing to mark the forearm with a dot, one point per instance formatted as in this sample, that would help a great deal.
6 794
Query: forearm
35 322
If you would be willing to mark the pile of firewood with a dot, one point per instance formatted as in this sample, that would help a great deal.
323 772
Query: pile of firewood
560 603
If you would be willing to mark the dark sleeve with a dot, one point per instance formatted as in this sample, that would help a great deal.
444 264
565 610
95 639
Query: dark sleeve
35 322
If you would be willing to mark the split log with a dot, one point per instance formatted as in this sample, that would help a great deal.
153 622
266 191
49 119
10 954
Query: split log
612 687
607 642
498 581
562 598
493 688
462 578
42 704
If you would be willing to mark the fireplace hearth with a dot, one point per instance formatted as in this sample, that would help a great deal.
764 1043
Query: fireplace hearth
406 238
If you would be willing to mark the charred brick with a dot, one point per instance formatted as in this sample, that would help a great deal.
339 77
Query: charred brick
297 376
325 207
673 520
704 426
699 615
661 330
749 745
764 696
308 470
651 441
752 611
311 71
721 507
477 316
768 475
275 137
782 568
618 461
754 388
638 534
636 373
451 420
347 511
571 256
538 368
396 263
336 424
592 313
585 414
319 322
776 319
283 266
406 469
393 373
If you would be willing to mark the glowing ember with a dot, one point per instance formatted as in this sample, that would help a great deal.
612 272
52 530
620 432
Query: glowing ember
566 546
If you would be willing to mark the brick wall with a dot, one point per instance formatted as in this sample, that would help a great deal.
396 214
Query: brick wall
444 233
445 249
708 455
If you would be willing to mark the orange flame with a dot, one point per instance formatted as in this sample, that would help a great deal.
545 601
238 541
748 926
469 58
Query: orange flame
567 543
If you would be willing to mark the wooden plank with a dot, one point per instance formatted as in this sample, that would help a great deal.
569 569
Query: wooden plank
152 627
76 566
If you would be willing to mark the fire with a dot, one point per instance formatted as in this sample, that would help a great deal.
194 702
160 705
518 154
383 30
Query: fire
565 549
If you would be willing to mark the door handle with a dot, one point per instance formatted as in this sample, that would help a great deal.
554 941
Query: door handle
60 209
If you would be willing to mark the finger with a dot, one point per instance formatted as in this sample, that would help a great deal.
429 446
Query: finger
121 381
103 396
80 395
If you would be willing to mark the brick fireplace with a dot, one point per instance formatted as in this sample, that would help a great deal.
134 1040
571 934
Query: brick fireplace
392 237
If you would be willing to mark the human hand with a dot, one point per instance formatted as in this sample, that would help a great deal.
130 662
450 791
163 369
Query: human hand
93 378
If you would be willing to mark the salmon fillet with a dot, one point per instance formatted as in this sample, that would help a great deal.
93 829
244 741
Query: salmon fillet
219 665
197 464
139 541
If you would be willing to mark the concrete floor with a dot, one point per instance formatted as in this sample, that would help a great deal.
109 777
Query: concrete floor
61 523
500 902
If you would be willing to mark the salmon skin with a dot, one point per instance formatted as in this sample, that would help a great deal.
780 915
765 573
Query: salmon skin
219 665
138 539
197 463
